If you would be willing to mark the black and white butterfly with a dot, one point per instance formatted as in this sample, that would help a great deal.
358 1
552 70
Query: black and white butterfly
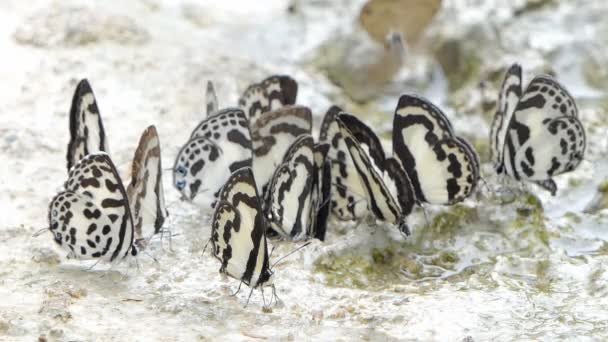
272 93
348 199
218 146
442 167
272 134
91 218
388 190
536 133
298 190
211 99
86 127
238 231
145 192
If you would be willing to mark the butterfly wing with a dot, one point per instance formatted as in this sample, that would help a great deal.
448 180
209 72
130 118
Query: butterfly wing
211 99
238 231
348 201
545 137
442 168
321 191
219 145
86 128
510 92
272 134
80 227
380 200
272 93
145 192
291 191
95 179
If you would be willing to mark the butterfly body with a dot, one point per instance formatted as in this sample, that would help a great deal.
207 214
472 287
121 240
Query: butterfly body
238 233
219 145
92 218
536 133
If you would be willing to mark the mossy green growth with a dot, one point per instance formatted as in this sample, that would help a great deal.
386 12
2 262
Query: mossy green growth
543 277
445 225
532 214
379 268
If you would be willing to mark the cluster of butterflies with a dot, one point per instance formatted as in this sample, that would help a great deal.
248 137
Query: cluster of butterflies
258 166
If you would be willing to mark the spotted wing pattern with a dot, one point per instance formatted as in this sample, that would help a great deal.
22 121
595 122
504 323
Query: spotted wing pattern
238 231
272 93
348 200
145 192
290 204
86 128
219 145
544 137
442 167
91 218
272 134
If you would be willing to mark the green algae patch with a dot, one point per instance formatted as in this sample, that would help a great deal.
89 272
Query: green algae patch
377 268
446 225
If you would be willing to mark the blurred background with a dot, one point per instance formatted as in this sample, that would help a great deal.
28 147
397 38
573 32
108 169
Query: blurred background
502 272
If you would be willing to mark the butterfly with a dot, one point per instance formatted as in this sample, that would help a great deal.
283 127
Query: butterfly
91 218
408 17
442 167
86 127
298 190
388 190
271 136
348 200
238 231
145 192
272 93
536 134
219 145
211 99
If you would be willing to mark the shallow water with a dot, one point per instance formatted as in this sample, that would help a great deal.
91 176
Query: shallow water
494 267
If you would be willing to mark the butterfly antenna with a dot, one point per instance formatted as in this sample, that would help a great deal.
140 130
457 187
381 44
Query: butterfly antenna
150 255
344 187
92 266
272 251
40 232
206 244
290 253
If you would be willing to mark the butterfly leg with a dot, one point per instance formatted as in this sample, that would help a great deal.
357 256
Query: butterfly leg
264 298
205 248
237 290
249 297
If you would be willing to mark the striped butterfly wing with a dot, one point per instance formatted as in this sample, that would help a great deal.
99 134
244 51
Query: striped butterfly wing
291 194
145 192
218 146
272 135
348 200
545 137
238 231
92 216
510 92
321 191
442 167
86 128
272 93
379 198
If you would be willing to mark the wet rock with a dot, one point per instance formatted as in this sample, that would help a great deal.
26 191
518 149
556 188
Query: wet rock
45 255
361 67
63 25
